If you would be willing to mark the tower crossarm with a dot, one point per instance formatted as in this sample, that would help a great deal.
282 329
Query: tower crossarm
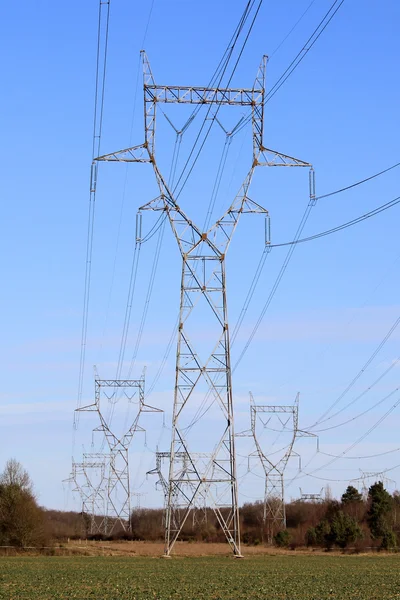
203 95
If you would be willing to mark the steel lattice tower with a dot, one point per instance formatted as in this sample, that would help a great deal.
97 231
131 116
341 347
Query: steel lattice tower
274 515
203 378
274 512
118 506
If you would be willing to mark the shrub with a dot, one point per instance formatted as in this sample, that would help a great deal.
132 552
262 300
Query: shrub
311 537
282 538
389 540
344 530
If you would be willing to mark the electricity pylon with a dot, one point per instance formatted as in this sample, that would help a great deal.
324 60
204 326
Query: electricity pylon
90 480
118 506
274 515
203 381
315 497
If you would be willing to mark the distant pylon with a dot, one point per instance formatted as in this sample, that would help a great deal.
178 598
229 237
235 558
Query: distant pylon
274 514
118 506
90 480
313 497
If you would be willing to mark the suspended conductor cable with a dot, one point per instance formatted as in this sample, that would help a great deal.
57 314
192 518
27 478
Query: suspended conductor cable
302 473
362 437
368 215
276 283
222 66
165 358
365 457
292 29
250 294
348 187
302 53
128 308
369 388
112 279
364 412
148 297
217 182
101 69
359 374
218 104
359 415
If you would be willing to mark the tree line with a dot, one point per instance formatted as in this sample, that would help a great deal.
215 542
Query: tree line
355 520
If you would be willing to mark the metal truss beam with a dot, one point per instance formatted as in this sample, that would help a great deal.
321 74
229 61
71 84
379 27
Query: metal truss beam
203 95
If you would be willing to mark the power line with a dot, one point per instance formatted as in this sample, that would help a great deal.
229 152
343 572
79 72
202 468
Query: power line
369 388
292 29
348 187
306 48
368 215
99 94
359 374
224 60
363 457
276 283
302 473
128 308
148 296
363 436
301 54
219 104
112 278
360 414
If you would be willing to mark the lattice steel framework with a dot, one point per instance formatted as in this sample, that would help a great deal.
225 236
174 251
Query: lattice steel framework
118 505
203 276
274 515
199 507
90 480
313 497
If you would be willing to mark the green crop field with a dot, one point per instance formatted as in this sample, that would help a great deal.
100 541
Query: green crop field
266 577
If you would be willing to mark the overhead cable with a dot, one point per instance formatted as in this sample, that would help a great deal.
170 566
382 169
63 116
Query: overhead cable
101 69
355 221
348 187
219 104
362 437
292 29
302 53
368 389
359 374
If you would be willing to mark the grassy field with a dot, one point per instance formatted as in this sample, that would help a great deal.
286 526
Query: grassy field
212 578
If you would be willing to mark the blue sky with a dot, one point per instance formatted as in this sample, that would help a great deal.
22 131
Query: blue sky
339 295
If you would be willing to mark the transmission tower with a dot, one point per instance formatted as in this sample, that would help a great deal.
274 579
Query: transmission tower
90 480
118 505
315 497
274 515
203 381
